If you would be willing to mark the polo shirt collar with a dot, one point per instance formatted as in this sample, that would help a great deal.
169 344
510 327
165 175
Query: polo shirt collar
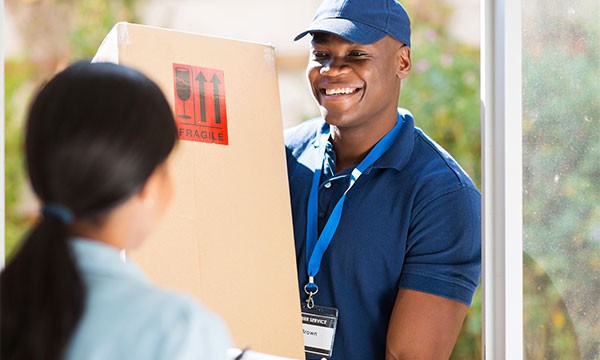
398 155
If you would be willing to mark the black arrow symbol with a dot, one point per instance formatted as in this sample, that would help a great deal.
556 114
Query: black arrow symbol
216 82
201 80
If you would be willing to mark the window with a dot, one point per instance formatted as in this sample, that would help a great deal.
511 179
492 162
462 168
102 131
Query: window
541 96
561 179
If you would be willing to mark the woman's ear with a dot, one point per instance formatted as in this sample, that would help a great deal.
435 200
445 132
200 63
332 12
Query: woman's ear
153 190
158 190
147 194
403 62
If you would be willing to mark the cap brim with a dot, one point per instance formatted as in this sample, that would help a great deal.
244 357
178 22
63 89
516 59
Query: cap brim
353 31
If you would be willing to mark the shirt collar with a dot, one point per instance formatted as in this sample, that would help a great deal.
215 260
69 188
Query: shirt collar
93 256
397 156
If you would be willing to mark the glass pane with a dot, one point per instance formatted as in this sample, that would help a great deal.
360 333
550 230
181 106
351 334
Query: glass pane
561 178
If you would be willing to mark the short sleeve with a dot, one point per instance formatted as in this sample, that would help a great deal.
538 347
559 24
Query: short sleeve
443 254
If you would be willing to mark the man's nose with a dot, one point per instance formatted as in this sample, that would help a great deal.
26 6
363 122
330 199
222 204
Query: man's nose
335 67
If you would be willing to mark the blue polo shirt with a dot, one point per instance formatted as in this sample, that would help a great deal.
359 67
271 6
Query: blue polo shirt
412 220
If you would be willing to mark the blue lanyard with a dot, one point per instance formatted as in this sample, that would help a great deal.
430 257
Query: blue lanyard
315 248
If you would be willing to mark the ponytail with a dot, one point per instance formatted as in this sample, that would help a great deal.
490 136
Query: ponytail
42 295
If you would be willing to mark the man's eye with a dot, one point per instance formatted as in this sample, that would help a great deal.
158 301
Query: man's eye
357 53
319 55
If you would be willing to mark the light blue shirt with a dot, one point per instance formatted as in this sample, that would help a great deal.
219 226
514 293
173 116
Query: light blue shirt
126 317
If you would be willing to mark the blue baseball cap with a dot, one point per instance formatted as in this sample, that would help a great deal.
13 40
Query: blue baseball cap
361 21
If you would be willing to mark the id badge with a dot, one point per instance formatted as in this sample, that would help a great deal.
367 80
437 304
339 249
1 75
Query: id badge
318 327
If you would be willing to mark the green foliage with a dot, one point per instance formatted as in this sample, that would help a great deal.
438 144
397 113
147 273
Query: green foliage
87 35
17 74
549 330
443 93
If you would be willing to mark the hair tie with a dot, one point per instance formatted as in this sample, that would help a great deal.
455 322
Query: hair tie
58 211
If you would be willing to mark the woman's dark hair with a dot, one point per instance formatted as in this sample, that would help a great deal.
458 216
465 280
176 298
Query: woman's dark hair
94 135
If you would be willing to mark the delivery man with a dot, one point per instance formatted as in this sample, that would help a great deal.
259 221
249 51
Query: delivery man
386 223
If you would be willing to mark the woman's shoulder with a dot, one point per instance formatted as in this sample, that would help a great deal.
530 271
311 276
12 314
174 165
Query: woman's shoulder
171 313
144 321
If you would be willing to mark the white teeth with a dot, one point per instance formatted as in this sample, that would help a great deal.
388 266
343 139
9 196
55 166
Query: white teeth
340 91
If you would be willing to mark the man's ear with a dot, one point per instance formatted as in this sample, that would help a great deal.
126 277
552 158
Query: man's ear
403 62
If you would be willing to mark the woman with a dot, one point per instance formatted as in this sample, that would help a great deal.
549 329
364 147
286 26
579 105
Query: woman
98 139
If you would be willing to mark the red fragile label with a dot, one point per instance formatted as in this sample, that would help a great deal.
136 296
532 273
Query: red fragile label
200 111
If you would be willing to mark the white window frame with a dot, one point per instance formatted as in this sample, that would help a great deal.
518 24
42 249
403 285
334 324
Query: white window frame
502 250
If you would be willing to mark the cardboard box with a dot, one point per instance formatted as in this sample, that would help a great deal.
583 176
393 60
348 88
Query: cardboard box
227 238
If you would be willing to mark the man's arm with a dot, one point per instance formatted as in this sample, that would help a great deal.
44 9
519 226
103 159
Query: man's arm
423 326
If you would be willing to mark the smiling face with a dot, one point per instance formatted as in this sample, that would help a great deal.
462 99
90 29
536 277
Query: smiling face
356 85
